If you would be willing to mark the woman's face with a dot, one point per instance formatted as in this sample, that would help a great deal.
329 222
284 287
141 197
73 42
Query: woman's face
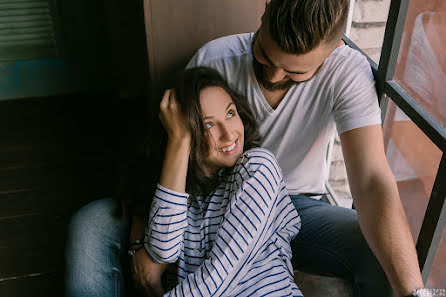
224 126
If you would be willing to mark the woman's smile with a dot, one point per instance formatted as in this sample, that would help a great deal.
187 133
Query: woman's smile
230 149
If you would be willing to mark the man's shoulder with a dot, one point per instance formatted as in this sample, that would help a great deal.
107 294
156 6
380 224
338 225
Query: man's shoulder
348 69
346 57
222 48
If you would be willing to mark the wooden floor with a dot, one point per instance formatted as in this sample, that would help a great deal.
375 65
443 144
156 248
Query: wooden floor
56 154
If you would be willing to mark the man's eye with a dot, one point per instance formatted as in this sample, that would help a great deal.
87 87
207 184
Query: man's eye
208 125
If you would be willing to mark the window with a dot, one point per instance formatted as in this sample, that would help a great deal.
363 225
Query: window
36 61
410 78
27 30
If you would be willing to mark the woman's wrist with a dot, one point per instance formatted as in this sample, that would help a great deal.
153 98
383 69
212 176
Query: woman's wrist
136 240
135 246
179 146
180 141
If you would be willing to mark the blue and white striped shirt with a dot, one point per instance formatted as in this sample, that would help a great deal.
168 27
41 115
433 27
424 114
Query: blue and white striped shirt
236 241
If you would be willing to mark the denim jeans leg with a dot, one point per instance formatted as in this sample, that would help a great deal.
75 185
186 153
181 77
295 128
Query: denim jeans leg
330 243
96 251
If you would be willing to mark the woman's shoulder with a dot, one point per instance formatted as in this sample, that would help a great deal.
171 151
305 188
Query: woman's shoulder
258 170
259 152
258 159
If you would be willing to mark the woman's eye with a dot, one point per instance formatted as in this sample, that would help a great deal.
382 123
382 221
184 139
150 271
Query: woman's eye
208 125
231 114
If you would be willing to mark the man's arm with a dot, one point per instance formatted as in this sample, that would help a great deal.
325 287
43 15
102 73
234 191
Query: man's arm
380 212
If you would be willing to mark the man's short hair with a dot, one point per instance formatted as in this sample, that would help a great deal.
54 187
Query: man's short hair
299 26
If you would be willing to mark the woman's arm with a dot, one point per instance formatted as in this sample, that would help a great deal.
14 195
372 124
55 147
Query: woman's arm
174 171
244 229
168 213
166 226
145 273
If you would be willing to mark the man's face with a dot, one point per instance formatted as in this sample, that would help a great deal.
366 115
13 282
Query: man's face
277 70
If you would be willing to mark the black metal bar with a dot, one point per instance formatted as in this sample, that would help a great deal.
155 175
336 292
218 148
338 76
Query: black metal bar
392 41
383 103
433 223
429 126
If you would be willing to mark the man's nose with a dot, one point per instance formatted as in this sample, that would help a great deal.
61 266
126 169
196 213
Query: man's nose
275 74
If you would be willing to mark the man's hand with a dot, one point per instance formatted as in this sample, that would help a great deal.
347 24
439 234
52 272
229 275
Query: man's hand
146 274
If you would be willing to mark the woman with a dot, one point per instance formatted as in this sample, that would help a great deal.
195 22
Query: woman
221 208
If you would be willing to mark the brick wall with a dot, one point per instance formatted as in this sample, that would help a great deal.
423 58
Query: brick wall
368 25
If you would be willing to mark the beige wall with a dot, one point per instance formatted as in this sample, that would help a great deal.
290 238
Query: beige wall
176 29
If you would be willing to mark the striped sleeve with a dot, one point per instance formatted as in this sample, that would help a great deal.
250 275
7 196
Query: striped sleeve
243 231
166 225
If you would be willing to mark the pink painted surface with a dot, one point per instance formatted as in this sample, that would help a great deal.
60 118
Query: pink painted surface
414 160
421 71
421 67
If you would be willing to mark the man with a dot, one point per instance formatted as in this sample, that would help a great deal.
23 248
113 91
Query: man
301 82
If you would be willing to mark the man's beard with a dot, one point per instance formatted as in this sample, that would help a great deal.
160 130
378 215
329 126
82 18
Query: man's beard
261 77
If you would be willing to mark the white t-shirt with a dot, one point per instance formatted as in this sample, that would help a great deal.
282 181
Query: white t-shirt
299 129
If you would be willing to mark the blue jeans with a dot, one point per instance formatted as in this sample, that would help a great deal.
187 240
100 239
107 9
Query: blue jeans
96 253
330 243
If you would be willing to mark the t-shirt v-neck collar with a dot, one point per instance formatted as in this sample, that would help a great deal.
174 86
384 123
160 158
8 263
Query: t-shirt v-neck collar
260 94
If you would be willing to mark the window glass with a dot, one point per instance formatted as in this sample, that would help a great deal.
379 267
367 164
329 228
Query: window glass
421 67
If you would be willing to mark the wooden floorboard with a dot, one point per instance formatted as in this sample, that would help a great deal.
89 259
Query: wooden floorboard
55 200
35 285
32 244
56 154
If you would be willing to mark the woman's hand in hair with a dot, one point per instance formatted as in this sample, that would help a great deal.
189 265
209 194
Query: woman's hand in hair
174 122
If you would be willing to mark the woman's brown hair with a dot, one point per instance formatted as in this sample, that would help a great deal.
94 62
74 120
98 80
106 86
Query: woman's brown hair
137 179
188 85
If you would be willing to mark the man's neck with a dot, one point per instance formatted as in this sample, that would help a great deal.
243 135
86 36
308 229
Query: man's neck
274 97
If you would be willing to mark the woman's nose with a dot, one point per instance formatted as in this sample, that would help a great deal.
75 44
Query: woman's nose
225 133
